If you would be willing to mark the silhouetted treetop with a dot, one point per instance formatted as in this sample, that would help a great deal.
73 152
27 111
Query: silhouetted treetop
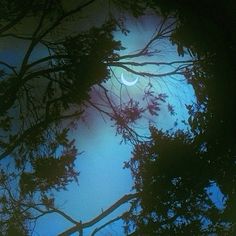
172 172
172 177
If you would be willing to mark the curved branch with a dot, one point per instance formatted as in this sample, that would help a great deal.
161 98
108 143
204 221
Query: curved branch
60 19
16 36
155 63
8 66
98 218
107 223
147 74
69 218
16 20
161 33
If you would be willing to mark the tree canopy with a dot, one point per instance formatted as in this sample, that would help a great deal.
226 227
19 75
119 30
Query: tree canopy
40 95
173 171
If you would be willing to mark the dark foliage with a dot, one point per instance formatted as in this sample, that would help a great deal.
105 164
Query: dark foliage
173 175
36 97
172 172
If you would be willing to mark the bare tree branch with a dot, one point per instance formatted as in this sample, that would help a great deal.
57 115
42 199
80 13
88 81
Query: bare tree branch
60 19
182 62
55 210
148 74
106 224
35 40
121 201
17 19
45 59
12 68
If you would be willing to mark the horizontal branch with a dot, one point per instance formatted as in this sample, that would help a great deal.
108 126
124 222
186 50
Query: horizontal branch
161 33
16 36
45 71
147 74
15 21
154 63
45 59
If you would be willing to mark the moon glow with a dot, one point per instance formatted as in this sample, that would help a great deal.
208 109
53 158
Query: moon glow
128 83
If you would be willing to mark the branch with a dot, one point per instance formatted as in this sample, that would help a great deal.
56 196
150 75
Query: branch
45 59
8 66
99 109
35 40
98 218
144 51
60 19
54 210
142 73
16 36
16 20
155 63
73 115
45 71
27 133
109 222
19 139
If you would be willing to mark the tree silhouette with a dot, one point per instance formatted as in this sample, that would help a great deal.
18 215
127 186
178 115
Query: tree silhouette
173 175
38 96
173 171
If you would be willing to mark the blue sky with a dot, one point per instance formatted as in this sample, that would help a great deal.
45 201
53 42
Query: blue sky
102 179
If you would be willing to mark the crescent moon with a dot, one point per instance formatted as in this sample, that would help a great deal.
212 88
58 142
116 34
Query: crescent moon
128 83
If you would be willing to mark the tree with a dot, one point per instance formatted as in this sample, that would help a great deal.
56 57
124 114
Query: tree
33 128
172 176
210 143
175 200
38 96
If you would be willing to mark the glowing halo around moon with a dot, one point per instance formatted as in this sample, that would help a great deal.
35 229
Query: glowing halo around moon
128 83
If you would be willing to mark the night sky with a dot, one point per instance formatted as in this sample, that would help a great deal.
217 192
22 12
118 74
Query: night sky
102 179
